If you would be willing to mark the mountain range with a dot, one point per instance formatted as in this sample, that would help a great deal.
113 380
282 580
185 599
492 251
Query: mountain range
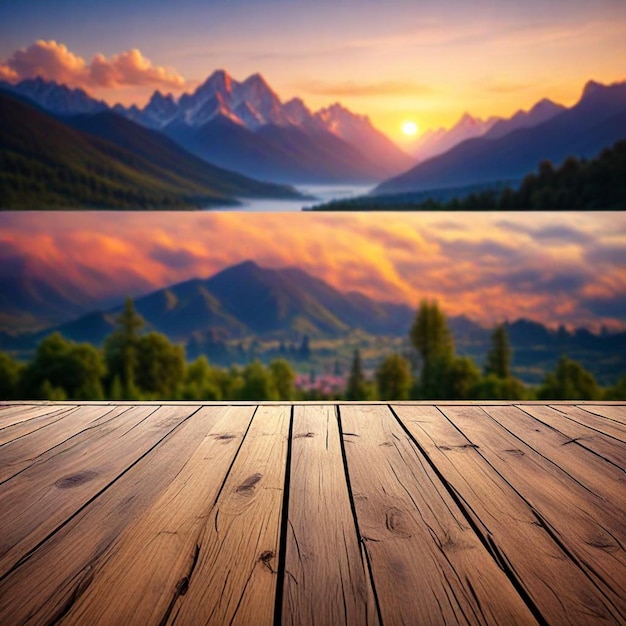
102 160
244 127
179 151
511 149
434 142
248 301
268 139
240 301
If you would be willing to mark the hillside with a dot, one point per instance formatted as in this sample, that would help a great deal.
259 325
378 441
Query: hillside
284 153
240 301
168 155
46 164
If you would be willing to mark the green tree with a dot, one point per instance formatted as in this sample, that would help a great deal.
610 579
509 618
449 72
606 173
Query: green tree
569 381
120 349
460 375
394 378
258 383
432 338
430 334
160 365
284 378
59 364
617 391
499 357
492 387
357 387
201 381
10 375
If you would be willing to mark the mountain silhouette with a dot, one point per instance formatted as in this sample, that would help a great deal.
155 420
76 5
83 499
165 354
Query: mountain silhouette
245 300
597 121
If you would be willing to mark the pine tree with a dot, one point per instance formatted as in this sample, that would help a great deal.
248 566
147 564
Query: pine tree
499 357
357 388
432 338
120 349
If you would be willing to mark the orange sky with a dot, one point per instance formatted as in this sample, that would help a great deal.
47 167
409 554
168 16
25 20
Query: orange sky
394 60
550 267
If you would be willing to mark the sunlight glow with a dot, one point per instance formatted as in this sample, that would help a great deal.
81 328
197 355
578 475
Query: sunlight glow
410 129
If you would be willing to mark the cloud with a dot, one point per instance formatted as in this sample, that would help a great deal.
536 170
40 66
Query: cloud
48 59
53 61
613 306
489 272
611 255
131 68
364 90
556 234
176 258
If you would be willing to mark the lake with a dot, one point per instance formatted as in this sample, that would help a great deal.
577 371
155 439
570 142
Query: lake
321 193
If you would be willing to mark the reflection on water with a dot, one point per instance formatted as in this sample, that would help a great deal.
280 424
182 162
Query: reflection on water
318 194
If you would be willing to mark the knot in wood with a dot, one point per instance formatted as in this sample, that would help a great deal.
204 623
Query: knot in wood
74 480
247 486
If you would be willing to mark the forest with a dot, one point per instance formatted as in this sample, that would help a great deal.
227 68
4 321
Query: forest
577 184
136 365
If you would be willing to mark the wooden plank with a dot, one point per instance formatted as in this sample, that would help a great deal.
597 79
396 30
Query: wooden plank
586 526
554 583
37 445
428 565
48 494
608 448
234 581
326 577
601 424
22 424
46 585
145 568
616 413
586 468
9 410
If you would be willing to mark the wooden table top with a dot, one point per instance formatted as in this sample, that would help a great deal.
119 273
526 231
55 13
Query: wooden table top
336 513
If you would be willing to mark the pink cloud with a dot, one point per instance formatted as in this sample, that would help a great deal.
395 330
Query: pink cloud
53 61
131 68
48 59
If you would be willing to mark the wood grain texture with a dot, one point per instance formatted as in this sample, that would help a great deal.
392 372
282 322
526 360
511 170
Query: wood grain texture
314 513
611 411
38 444
58 572
508 525
323 556
422 550
22 424
235 576
602 425
610 449
48 494
589 470
144 570
589 528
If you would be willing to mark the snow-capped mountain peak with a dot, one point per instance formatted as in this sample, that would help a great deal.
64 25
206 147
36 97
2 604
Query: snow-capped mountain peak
58 98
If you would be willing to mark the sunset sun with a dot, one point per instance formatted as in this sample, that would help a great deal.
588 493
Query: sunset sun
410 129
